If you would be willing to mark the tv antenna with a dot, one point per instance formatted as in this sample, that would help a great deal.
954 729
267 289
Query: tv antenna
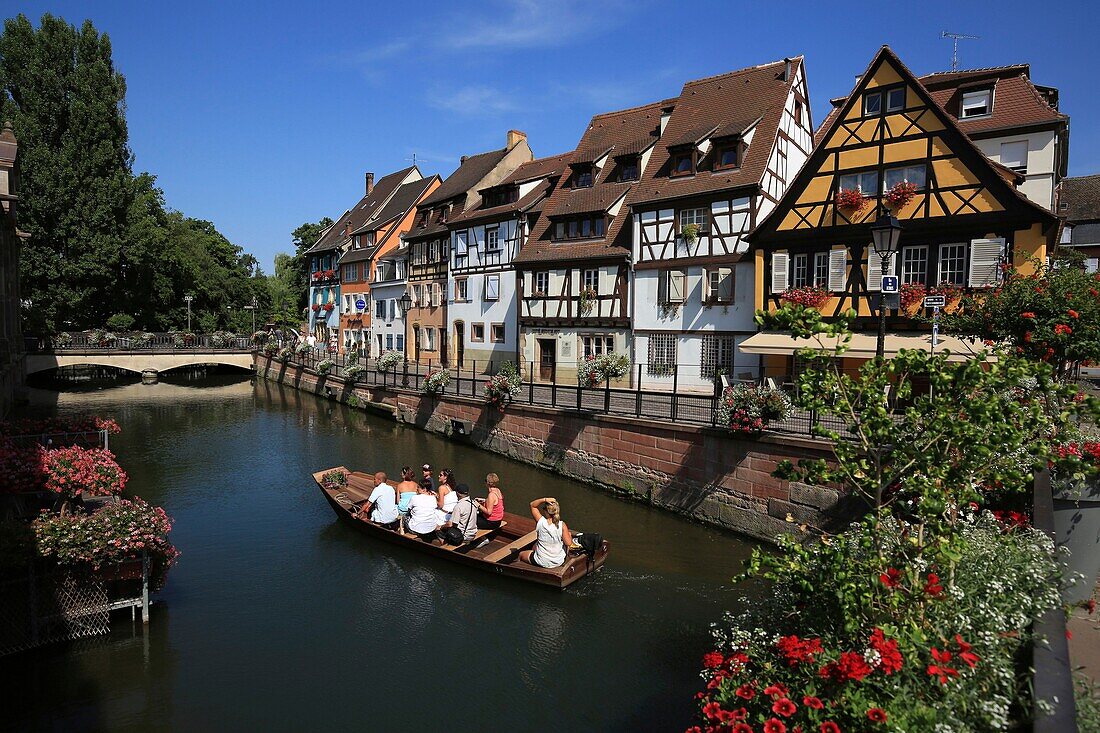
955 38
415 160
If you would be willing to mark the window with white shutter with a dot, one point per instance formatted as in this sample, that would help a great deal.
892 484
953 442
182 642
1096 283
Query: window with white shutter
953 263
985 259
492 287
780 263
838 269
437 295
670 287
875 270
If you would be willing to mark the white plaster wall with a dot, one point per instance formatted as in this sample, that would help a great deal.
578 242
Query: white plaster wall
379 291
693 314
1039 186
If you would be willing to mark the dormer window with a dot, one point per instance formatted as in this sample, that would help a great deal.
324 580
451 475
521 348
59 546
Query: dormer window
582 177
977 103
727 155
583 227
628 168
683 163
443 215
501 196
424 219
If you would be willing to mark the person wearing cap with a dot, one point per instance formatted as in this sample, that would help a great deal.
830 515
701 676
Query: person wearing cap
426 474
464 515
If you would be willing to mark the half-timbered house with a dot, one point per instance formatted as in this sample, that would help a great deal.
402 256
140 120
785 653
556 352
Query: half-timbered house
387 288
484 240
963 219
429 243
728 150
379 235
324 255
573 273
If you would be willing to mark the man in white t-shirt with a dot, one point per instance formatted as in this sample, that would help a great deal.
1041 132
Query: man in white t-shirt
382 504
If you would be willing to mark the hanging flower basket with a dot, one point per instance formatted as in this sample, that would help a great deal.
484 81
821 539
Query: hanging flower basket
899 195
850 200
810 296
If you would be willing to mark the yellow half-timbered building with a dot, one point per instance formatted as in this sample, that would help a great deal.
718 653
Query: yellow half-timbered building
963 218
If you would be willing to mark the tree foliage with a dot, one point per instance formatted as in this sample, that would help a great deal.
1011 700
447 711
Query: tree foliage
103 243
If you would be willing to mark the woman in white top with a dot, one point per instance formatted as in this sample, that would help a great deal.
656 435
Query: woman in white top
423 521
552 536
447 496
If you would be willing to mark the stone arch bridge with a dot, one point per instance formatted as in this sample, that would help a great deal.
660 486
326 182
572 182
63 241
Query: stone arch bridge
150 356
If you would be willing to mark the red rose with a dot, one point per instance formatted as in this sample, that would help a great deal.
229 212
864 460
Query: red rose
784 707
812 702
876 715
775 725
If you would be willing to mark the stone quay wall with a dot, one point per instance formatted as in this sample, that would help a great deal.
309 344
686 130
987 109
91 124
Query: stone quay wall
704 473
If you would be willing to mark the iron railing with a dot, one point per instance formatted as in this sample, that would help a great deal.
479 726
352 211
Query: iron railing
639 395
102 342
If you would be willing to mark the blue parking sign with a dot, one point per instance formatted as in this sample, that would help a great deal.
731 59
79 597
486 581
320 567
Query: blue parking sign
889 283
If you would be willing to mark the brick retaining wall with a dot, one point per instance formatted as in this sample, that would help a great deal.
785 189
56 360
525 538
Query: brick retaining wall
704 473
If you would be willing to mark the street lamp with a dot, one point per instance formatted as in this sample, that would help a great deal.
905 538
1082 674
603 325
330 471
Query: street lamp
885 233
406 305
253 309
189 298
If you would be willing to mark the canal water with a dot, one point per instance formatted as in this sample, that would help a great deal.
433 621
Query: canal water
278 619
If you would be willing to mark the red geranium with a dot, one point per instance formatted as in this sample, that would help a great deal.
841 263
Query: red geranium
933 587
798 650
850 666
889 657
891 578
876 715
941 668
713 660
1061 328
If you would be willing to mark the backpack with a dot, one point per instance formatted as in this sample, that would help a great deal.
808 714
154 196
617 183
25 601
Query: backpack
590 542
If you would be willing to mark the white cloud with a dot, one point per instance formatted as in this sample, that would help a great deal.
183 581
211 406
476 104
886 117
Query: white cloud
531 24
472 101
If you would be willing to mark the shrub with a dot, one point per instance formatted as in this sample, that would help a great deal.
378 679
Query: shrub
904 634
436 381
748 408
388 361
595 370
120 322
324 367
112 534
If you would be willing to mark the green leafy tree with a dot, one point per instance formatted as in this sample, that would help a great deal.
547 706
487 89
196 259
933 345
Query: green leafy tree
303 238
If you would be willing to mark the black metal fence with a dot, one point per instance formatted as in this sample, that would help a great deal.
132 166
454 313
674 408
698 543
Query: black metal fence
106 342
632 396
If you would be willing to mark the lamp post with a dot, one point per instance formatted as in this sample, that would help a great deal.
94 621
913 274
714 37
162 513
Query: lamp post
406 304
885 233
188 299
252 308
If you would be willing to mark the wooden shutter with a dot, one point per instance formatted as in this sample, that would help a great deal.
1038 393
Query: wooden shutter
725 284
985 260
874 270
780 272
838 269
492 287
663 286
437 294
675 286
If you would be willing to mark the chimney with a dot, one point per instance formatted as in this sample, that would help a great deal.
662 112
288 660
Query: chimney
463 159
370 183
515 137
787 70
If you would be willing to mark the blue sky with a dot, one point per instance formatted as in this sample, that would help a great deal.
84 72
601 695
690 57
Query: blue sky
261 116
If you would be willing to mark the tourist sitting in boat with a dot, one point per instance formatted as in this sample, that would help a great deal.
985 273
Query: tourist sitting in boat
551 535
381 506
491 508
446 496
426 475
406 489
463 518
423 521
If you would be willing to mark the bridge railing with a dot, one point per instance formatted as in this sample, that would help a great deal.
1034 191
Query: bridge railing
128 342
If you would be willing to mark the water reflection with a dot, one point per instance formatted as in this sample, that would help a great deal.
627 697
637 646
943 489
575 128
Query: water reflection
283 619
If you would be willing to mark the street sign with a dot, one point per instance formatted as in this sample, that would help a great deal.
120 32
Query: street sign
935 301
889 283
361 304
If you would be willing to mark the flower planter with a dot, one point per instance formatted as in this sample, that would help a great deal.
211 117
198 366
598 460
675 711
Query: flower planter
1077 528
125 570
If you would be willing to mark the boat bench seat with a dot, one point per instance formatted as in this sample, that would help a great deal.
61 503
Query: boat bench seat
508 549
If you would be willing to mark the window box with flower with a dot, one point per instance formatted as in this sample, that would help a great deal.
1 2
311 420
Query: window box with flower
810 296
898 195
850 200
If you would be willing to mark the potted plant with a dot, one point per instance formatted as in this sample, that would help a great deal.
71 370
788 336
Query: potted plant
850 200
1076 486
324 366
748 408
388 360
810 296
898 195
499 391
690 233
596 370
436 381
587 299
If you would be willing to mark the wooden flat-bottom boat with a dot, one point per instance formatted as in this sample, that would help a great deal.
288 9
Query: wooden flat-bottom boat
495 550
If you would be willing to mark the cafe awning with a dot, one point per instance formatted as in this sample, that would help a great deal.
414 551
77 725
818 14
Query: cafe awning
862 345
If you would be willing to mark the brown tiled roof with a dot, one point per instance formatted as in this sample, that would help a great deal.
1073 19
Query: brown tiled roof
402 200
1016 101
715 107
466 176
436 225
538 168
1082 194
606 132
531 201
362 212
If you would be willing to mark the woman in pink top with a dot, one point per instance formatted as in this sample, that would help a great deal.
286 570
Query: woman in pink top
490 511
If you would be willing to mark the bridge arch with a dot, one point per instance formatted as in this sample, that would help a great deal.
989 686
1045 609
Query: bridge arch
138 362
